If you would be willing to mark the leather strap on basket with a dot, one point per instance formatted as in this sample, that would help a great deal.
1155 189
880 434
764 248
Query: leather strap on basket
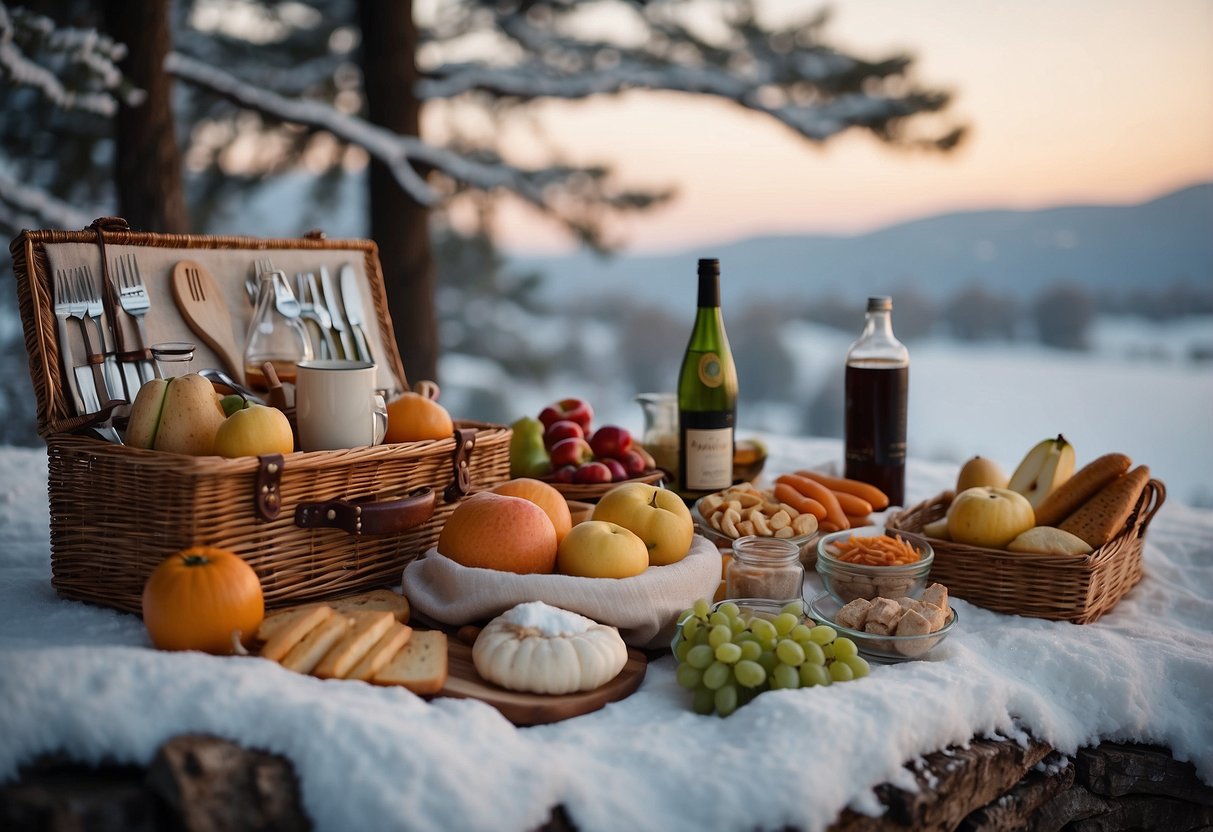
461 484
267 487
109 295
359 517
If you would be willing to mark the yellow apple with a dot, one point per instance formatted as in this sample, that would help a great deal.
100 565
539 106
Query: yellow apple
980 471
254 431
655 515
179 415
597 549
992 517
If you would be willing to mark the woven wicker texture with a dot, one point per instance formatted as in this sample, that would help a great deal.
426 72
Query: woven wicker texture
116 512
1077 588
592 492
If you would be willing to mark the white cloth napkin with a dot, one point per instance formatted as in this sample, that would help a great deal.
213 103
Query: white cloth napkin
644 607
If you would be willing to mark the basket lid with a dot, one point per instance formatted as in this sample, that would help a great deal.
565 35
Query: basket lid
38 254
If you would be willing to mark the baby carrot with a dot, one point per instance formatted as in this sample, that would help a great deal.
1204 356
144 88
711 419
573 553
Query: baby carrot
816 491
857 521
871 493
852 505
785 493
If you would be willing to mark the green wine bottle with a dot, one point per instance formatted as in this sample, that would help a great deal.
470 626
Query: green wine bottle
707 396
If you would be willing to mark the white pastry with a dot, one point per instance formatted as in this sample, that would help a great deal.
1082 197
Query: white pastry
543 649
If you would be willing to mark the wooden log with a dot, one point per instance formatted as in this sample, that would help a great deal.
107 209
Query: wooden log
212 785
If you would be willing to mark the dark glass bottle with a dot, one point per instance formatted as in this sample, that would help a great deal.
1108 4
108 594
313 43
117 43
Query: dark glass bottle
707 396
877 394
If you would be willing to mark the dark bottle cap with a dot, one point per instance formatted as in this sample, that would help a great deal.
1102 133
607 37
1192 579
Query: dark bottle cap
709 282
881 303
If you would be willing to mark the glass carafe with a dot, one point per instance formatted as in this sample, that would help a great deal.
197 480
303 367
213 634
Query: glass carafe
274 335
660 437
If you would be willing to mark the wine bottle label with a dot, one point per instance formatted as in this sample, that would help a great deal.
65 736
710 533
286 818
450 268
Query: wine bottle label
711 372
709 459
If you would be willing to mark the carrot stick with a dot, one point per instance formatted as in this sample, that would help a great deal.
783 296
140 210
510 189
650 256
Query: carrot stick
785 493
816 491
871 493
851 504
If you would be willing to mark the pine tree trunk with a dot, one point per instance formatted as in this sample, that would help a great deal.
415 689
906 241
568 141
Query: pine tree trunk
147 167
398 224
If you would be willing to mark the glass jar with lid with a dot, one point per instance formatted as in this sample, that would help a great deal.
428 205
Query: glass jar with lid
765 567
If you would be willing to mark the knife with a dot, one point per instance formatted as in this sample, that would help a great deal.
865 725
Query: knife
329 291
352 299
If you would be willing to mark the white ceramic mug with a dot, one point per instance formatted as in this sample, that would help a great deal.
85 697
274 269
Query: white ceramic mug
337 406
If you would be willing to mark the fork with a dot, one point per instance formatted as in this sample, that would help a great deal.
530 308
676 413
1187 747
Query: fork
284 299
94 308
132 295
309 310
64 306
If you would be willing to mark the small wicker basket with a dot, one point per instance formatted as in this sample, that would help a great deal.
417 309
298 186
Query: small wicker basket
312 525
1077 588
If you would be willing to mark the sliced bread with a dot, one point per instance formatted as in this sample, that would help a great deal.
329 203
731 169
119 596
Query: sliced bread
420 666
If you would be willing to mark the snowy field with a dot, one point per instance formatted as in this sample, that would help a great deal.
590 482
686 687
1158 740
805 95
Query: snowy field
1138 391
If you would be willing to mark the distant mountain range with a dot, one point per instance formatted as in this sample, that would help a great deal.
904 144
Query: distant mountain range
1013 252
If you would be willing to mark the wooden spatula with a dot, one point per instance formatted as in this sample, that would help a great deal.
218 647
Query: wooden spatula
202 305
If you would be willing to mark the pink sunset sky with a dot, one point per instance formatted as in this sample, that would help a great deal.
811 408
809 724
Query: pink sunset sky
1081 101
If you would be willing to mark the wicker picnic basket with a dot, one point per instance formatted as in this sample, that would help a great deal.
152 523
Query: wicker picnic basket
312 525
1077 588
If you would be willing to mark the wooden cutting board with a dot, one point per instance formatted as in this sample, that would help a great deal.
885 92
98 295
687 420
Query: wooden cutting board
463 682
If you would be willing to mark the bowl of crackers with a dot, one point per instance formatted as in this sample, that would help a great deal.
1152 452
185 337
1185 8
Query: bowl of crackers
744 509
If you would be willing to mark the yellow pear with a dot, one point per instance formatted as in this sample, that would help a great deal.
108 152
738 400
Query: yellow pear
980 471
145 414
180 415
1049 464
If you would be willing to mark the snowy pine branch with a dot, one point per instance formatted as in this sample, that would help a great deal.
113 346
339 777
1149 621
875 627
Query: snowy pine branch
25 36
546 188
22 206
784 72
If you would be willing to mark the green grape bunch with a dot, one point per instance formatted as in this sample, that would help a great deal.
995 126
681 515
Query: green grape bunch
726 658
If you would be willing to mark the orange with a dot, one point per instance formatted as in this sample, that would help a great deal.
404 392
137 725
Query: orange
493 531
544 496
413 417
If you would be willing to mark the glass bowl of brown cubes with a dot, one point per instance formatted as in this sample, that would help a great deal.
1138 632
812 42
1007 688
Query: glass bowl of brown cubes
888 630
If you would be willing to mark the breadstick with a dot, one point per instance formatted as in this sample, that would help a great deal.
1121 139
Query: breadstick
785 493
1103 516
1081 487
853 506
877 498
816 491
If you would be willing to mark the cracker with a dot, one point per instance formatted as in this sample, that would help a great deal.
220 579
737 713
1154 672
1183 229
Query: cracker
367 627
1103 516
305 655
382 652
376 599
420 666
282 631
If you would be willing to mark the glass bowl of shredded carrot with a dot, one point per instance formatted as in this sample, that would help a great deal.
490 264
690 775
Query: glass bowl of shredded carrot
868 563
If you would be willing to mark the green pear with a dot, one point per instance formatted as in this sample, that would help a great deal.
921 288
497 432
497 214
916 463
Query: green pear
145 413
528 457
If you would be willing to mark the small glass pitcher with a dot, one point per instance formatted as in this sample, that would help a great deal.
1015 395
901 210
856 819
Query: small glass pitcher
660 436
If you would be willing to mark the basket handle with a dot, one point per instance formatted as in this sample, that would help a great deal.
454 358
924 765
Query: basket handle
1152 498
359 517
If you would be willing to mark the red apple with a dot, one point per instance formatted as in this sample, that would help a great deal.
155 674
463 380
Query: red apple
592 472
611 442
571 452
563 474
618 472
650 464
562 429
574 410
634 463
